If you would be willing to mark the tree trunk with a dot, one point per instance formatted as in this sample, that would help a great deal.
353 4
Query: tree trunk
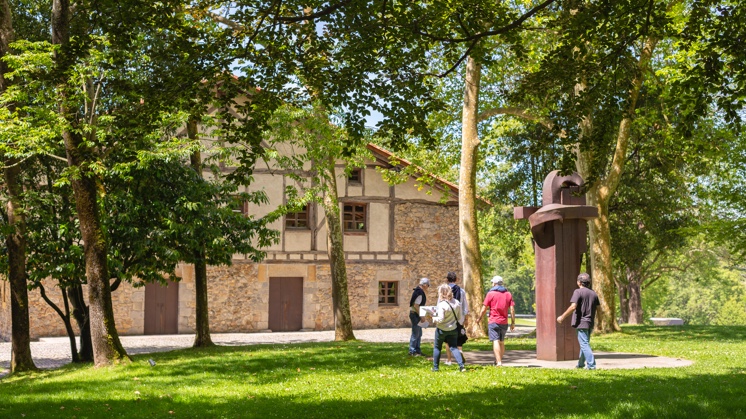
635 301
623 301
15 239
20 358
107 348
600 194
335 249
602 276
202 314
202 337
81 315
65 316
471 257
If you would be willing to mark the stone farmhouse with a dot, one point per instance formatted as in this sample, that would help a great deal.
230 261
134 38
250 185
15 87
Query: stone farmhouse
393 235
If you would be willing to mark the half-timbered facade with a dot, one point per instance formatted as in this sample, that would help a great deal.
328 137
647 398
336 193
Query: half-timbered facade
393 235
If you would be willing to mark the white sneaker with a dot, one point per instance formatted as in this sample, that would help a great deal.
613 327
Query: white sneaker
447 362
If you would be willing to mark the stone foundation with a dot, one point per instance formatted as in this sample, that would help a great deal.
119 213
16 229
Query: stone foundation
426 244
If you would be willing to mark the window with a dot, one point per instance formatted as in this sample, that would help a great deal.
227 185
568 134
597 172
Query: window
355 176
353 219
238 205
297 219
387 293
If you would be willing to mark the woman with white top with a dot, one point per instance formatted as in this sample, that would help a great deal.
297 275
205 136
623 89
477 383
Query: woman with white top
447 313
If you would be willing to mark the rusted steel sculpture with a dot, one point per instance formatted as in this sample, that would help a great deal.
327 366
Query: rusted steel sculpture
559 229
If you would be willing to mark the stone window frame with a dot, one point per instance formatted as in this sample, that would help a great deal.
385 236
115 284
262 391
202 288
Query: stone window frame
354 215
294 219
385 294
355 177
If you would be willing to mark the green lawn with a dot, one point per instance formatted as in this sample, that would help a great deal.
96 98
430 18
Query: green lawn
521 321
342 380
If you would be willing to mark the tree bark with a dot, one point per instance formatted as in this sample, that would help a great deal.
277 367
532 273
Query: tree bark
15 239
335 248
471 257
600 194
202 337
80 313
623 301
634 308
107 348
20 359
602 276
65 316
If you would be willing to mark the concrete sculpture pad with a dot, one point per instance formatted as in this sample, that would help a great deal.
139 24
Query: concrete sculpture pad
604 360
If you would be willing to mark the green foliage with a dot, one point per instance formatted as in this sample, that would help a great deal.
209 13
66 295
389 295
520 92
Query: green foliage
134 91
704 293
507 250
733 311
356 56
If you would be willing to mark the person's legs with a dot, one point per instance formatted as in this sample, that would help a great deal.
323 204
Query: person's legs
437 346
496 351
416 338
448 354
451 339
493 330
586 354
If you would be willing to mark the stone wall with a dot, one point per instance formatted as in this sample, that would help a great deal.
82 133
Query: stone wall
43 320
234 294
429 236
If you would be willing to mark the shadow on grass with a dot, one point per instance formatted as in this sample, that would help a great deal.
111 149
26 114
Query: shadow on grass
483 392
355 379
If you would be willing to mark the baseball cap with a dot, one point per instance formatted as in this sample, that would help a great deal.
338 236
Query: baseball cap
497 280
425 281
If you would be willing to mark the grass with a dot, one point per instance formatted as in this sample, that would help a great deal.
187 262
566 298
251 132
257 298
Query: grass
358 379
521 321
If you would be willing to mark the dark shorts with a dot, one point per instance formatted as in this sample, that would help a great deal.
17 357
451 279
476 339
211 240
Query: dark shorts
497 331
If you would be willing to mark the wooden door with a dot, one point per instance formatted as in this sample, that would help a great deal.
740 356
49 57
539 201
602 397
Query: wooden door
162 309
285 304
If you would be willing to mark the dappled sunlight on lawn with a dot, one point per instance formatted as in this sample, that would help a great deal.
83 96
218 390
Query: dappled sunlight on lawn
359 379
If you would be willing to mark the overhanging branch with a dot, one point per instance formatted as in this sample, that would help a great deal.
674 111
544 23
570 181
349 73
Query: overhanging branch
512 25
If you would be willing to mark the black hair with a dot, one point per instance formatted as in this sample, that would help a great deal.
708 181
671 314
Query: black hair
451 277
584 279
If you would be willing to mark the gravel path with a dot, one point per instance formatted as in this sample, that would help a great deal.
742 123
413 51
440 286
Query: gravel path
55 352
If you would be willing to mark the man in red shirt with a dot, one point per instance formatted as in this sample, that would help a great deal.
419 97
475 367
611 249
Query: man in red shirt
498 300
